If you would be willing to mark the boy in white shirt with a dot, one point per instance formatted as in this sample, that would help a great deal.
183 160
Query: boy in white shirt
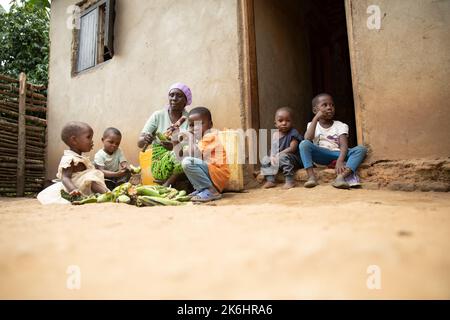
326 140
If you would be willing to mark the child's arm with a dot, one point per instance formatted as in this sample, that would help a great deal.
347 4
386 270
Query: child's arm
66 180
193 149
343 147
293 147
172 179
125 165
309 134
111 174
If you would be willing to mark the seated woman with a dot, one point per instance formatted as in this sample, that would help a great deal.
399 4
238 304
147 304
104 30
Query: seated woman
168 118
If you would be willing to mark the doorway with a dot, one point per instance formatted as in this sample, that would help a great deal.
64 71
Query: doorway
301 50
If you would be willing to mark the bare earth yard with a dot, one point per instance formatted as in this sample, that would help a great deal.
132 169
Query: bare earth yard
263 244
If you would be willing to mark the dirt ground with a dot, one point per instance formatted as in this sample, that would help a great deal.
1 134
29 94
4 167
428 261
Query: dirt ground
265 244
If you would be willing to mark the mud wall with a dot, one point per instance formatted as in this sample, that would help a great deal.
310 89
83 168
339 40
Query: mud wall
401 74
156 44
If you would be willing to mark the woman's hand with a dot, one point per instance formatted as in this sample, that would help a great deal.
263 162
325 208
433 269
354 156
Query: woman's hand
148 138
167 144
145 139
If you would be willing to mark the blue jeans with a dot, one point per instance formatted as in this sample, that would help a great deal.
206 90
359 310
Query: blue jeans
196 171
313 153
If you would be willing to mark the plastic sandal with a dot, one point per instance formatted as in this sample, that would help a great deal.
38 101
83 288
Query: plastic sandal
311 183
206 196
353 180
340 184
196 192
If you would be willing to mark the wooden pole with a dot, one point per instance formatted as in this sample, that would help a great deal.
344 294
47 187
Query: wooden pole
21 139
250 75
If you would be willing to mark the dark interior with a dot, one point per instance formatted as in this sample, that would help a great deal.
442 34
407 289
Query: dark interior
330 58
301 51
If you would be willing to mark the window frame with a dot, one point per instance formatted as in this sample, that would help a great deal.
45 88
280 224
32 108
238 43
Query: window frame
108 33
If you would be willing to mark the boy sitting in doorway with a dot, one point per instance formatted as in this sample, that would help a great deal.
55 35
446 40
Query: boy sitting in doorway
326 140
284 155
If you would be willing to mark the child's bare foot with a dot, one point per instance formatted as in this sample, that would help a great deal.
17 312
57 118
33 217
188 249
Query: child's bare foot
311 183
340 182
289 185
269 184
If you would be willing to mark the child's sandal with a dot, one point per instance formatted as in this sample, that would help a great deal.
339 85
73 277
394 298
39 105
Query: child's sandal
340 183
311 183
206 196
193 194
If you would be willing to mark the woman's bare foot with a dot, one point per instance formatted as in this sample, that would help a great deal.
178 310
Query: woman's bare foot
269 184
289 185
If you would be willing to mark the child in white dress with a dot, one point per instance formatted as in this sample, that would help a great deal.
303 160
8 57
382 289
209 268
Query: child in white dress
77 173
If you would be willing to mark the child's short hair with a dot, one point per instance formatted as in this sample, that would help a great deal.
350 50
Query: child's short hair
286 109
112 130
72 128
201 111
315 100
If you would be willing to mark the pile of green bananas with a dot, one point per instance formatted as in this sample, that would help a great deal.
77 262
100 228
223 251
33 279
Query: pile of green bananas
79 199
139 195
160 196
164 163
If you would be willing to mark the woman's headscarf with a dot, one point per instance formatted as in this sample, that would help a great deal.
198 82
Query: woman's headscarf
187 92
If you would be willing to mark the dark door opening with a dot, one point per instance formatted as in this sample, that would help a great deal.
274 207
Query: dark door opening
302 50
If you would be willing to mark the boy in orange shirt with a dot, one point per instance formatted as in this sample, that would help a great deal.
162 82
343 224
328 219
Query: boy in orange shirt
206 166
